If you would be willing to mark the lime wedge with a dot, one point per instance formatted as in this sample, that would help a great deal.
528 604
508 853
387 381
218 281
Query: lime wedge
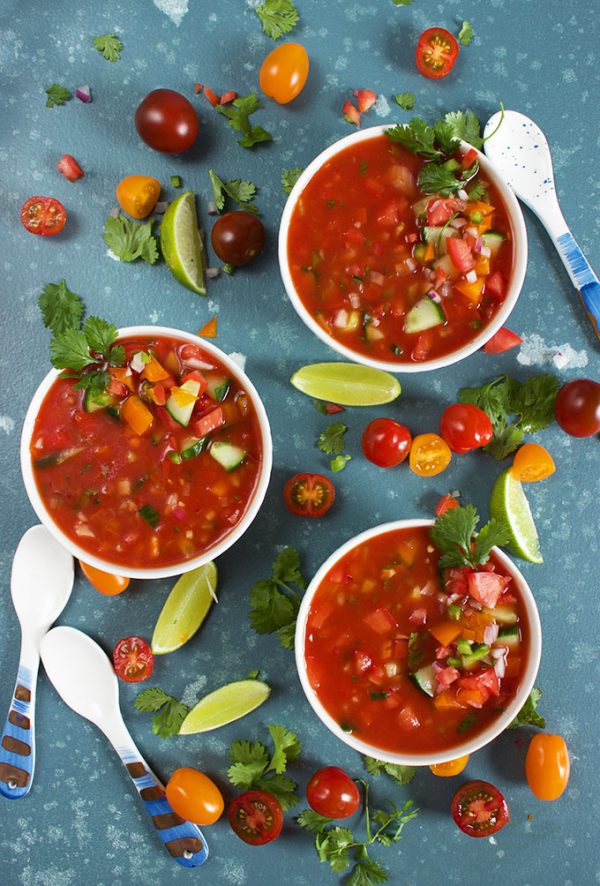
509 505
181 243
225 705
185 609
346 383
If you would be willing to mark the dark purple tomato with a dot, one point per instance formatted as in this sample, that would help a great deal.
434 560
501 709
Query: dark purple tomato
237 238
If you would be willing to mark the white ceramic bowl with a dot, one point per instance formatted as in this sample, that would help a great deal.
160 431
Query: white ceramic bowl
514 288
469 745
185 565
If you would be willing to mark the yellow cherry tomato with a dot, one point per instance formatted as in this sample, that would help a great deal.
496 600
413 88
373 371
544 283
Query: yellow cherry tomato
284 71
104 582
429 455
194 796
452 767
547 766
138 195
532 463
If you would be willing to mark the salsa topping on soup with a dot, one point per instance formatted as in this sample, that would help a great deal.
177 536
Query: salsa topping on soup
155 461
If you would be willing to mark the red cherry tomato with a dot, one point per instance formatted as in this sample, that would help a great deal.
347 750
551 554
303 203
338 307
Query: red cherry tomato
237 237
437 51
577 407
284 71
133 659
465 427
43 215
308 495
194 796
104 582
547 766
256 817
386 442
332 793
479 809
167 121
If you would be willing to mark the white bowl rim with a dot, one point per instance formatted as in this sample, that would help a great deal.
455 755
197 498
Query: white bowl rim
174 568
515 284
469 746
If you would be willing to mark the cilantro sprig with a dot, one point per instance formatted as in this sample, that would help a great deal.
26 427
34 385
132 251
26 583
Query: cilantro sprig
109 46
240 191
57 95
170 712
274 604
254 767
406 100
528 715
129 240
454 535
238 114
289 177
466 34
278 17
400 774
332 442
61 308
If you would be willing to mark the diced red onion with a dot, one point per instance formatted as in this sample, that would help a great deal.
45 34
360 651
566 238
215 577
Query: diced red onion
179 513
412 238
478 245
434 296
115 212
354 299
462 194
428 589
445 288
442 598
455 493
500 667
485 251
340 318
475 605
377 278
490 634
161 207
429 273
212 208
471 277
418 617
410 264
499 651
193 363
212 272
137 362
472 231
458 223
84 94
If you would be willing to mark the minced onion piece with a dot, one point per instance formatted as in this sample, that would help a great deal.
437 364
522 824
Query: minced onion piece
340 320
490 634
471 277
83 94
115 212
390 668
429 273
485 251
212 272
472 231
377 278
462 194
192 363
428 589
445 288
410 264
478 245
137 362
434 296
179 513
500 667
354 299
161 207
458 223
475 605
212 208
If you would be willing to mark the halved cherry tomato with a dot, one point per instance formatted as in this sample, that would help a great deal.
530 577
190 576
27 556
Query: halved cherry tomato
547 766
437 51
70 168
503 340
194 796
577 407
332 793
43 215
284 71
104 582
133 659
308 495
138 195
386 442
256 817
479 809
532 463
429 455
446 503
465 427
452 767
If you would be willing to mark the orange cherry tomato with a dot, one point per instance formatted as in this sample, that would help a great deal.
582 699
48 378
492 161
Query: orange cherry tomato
283 73
452 767
138 194
104 582
547 766
429 455
532 463
194 796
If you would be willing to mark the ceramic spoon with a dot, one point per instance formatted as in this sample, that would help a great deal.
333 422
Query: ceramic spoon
520 152
41 584
84 678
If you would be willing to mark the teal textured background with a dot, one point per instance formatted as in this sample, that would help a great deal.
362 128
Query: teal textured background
82 821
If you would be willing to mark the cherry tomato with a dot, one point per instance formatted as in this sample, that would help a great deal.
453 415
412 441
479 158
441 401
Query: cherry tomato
547 766
386 442
256 817
577 407
446 503
452 767
465 427
479 809
437 51
308 495
237 238
104 582
532 463
429 455
332 793
133 659
43 215
283 73
194 796
138 194
167 121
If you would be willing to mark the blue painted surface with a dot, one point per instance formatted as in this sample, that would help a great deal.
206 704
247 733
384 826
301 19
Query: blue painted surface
82 821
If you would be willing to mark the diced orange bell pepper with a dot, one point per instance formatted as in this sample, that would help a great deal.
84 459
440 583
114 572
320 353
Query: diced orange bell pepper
482 266
471 290
429 254
485 225
182 397
480 206
136 414
209 330
472 697
468 634
446 631
120 374
153 371
447 700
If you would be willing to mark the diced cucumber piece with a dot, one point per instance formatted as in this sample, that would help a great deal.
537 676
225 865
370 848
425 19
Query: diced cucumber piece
424 679
509 635
463 646
96 400
478 652
438 236
193 446
183 413
227 455
214 382
372 333
420 207
424 315
175 457
445 264
493 240
503 614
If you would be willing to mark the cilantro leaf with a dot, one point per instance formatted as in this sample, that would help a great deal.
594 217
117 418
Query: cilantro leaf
282 787
152 699
400 774
287 567
110 46
533 402
253 768
528 715
150 515
238 115
289 177
493 533
464 125
406 100
116 356
478 192
277 17
287 747
70 350
333 846
129 240
331 440
417 137
465 35
61 308
100 335
270 608
391 824
505 441
240 191
249 762
338 463
366 872
434 178
170 712
402 2
57 96
312 821
453 534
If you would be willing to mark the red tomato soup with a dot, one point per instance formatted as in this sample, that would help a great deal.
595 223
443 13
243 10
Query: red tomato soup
405 664
390 272
158 466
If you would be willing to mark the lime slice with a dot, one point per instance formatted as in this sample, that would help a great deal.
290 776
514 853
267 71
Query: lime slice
346 383
225 705
509 505
181 243
185 609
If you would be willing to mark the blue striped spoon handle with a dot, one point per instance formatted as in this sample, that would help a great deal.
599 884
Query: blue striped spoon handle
17 745
582 275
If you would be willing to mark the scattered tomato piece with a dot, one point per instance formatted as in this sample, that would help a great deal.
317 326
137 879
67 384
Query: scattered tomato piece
198 87
309 495
446 503
333 408
256 817
532 462
547 766
209 330
351 114
70 168
452 767
503 340
228 97
104 582
365 98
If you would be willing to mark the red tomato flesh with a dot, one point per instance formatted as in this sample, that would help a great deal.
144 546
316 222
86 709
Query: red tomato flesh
332 793
256 817
43 215
70 168
133 659
309 495
501 341
479 809
436 53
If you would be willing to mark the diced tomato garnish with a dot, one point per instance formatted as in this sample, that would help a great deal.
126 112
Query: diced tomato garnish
495 286
211 96
447 676
400 648
439 211
159 394
365 99
485 682
381 621
487 587
374 186
377 675
422 346
475 698
228 97
198 88
418 617
353 236
351 114
503 340
446 503
333 408
70 168
209 422
362 662
469 159
408 719
391 214
460 254
195 375
116 388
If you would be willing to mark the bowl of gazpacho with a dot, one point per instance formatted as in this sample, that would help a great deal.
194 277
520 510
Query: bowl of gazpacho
409 663
158 467
390 273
